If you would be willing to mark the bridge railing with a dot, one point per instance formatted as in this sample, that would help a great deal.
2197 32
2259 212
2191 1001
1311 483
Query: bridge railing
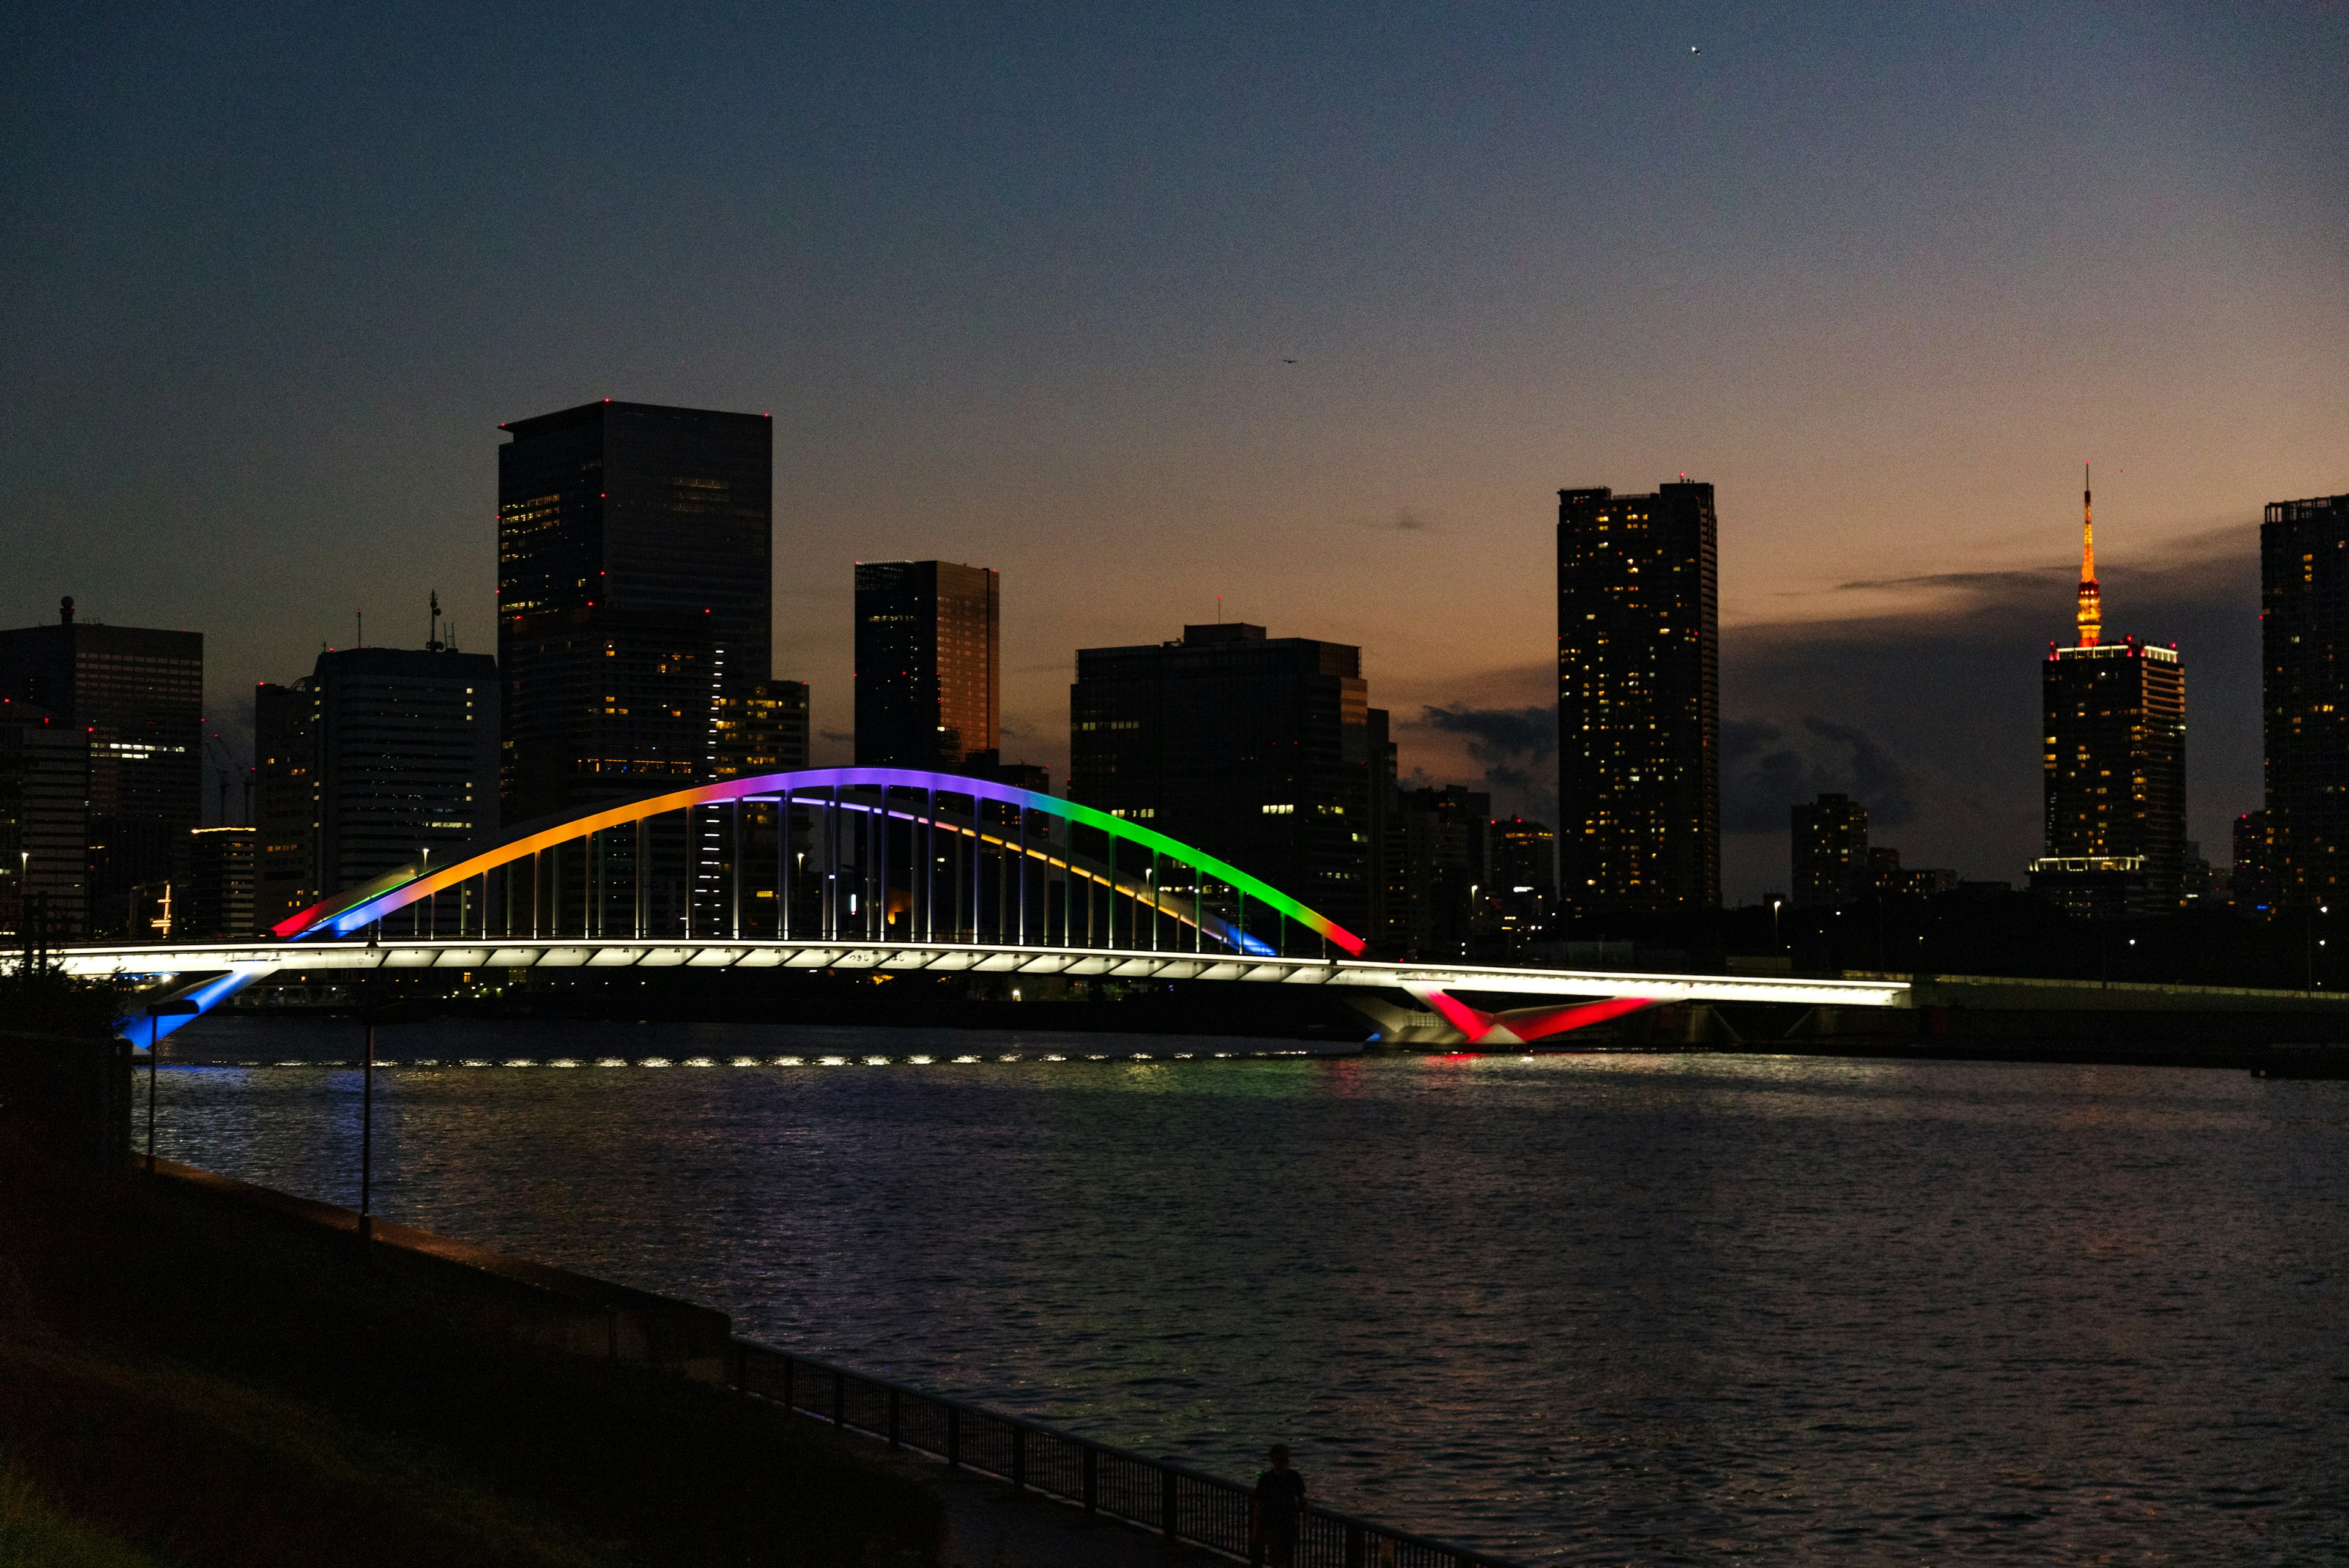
1184 1505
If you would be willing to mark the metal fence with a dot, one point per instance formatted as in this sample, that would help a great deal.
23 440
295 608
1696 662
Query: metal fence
1182 1504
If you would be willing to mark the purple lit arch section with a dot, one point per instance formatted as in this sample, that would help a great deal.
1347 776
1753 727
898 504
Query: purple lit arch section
363 906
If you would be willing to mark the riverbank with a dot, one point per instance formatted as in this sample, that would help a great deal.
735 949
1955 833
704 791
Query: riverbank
191 1377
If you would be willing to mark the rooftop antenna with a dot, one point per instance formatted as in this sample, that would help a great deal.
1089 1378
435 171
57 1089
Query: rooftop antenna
433 630
362 634
2091 616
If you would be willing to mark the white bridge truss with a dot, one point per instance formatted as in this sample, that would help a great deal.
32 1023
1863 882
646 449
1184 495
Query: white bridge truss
1555 1000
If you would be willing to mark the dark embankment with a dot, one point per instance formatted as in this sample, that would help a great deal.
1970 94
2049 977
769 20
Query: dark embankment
189 1378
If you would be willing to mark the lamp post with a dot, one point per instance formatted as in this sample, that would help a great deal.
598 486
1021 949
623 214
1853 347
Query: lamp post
367 1124
179 1007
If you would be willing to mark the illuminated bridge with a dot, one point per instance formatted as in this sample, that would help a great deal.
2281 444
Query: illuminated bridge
898 871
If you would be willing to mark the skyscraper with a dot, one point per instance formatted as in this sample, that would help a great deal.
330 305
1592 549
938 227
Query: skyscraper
219 899
2305 691
2114 763
405 745
1830 850
927 646
1639 700
2248 883
1441 871
139 695
1257 750
285 770
634 590
44 823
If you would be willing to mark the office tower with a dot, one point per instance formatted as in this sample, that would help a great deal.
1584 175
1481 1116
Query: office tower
1441 861
1927 882
1521 905
284 763
1384 764
761 729
634 589
218 902
1830 850
405 748
927 666
139 696
2114 764
1639 703
2252 888
1256 748
44 824
2305 707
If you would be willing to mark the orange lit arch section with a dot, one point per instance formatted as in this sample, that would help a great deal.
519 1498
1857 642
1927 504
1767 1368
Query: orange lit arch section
826 789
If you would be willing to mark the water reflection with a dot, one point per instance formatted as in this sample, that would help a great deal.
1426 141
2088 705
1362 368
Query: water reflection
1688 1308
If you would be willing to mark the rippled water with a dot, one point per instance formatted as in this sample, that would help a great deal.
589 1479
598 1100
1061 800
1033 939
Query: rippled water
1660 1309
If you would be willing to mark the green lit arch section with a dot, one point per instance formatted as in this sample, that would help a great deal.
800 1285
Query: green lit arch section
363 906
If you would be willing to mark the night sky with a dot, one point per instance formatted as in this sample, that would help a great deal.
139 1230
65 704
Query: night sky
1020 285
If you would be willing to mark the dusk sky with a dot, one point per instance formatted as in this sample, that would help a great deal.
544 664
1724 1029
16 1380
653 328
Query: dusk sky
1020 286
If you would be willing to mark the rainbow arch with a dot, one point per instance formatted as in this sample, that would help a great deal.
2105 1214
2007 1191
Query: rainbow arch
821 788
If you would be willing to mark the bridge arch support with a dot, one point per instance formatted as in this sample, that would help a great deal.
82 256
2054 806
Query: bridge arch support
880 853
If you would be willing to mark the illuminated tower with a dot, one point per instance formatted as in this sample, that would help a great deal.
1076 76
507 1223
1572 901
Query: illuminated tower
2114 766
1639 700
2092 603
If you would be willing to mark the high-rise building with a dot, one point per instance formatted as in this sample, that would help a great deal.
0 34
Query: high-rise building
2304 706
44 823
139 695
1381 795
761 729
405 742
928 652
1830 851
1256 748
2248 881
1639 700
1519 907
2114 763
285 787
1441 871
218 897
634 589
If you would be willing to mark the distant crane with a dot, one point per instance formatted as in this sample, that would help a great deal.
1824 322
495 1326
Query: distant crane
225 767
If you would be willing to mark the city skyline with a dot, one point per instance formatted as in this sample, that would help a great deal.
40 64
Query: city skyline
1883 282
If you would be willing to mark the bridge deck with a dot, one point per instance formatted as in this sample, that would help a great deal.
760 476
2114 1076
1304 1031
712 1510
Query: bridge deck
571 952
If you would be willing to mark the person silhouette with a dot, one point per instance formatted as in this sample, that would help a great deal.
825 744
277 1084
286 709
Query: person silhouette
1274 1511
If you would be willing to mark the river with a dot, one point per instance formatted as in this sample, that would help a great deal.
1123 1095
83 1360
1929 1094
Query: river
1692 1308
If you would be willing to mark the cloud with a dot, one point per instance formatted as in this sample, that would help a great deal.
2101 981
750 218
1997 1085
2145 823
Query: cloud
1513 744
1494 733
1404 520
1968 582
1765 769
